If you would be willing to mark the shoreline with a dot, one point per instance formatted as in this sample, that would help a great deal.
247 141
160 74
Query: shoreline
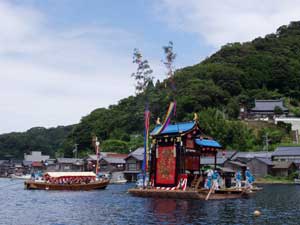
263 181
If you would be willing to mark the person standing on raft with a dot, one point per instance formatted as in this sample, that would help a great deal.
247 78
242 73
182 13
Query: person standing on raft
215 178
238 179
208 183
249 178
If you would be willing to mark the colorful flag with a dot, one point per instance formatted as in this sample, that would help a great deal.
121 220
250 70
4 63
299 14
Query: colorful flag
146 140
172 108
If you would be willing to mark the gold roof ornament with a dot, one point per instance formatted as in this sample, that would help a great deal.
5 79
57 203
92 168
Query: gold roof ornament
196 118
158 121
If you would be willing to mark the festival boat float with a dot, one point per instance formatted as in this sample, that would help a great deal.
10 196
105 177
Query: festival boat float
174 164
75 181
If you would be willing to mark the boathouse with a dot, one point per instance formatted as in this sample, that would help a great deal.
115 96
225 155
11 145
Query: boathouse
112 162
176 153
70 164
133 164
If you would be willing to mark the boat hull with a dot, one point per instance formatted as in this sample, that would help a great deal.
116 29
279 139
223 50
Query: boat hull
23 177
297 181
188 194
33 185
118 181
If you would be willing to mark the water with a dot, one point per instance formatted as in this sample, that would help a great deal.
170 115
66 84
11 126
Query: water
279 204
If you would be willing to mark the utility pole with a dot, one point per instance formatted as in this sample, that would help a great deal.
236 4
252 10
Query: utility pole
75 151
266 142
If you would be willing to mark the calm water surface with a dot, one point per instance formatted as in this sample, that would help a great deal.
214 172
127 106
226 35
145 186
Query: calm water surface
279 204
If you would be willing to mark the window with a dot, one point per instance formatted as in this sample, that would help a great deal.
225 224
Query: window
132 166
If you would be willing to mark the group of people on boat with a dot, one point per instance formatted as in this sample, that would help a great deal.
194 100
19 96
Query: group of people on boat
215 181
69 180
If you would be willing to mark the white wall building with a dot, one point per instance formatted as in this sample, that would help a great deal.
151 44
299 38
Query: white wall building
35 156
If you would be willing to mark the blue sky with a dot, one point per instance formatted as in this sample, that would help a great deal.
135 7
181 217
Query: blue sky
61 59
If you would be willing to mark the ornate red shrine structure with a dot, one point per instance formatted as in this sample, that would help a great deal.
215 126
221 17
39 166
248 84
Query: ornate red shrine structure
176 154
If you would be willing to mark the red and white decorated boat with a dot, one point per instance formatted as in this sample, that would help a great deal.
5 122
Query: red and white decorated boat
68 181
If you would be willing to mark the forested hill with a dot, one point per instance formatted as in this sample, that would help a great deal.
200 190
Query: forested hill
265 68
49 141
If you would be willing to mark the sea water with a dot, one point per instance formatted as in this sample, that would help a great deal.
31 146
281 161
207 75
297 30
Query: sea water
278 204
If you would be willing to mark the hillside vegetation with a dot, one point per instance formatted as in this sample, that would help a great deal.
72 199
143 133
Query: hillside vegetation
265 68
49 141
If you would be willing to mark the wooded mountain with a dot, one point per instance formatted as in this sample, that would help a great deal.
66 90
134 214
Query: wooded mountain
49 141
265 68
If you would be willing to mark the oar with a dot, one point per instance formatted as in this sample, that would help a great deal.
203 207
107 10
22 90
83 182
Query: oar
210 191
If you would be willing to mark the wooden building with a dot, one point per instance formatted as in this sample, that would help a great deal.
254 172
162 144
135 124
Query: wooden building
283 169
70 164
235 166
287 154
176 153
260 167
133 164
267 108
112 162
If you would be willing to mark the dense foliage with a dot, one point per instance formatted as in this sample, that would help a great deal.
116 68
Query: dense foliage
265 68
14 145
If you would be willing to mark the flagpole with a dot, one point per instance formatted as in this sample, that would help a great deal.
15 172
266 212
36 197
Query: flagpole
146 145
97 143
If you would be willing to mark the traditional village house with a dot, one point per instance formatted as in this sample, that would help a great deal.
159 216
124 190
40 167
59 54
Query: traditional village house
268 109
51 165
260 167
283 169
70 164
112 162
27 167
235 166
34 162
91 162
133 164
222 157
258 162
245 157
287 154
6 168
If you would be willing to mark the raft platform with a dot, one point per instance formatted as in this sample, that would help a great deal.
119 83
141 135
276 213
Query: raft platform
229 193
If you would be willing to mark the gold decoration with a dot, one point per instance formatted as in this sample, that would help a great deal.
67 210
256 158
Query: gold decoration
158 121
196 118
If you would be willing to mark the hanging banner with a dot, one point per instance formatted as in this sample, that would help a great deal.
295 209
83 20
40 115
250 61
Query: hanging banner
166 165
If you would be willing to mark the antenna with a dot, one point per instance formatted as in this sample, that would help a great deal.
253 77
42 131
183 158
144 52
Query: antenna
75 150
266 142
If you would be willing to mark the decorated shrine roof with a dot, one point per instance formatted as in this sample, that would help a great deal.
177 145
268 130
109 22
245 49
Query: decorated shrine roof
175 128
208 143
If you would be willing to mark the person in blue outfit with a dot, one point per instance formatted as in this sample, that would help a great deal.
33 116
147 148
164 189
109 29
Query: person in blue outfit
215 178
238 179
208 182
249 178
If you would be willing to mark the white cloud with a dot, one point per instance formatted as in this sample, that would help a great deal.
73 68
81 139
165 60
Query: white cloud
50 77
221 22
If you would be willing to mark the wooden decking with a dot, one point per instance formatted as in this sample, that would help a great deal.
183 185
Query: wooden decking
229 193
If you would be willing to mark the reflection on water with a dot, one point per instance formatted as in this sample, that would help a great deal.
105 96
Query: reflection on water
279 204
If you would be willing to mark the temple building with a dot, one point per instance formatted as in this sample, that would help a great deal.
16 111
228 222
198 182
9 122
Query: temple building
268 109
176 153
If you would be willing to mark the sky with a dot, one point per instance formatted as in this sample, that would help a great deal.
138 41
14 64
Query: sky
61 59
